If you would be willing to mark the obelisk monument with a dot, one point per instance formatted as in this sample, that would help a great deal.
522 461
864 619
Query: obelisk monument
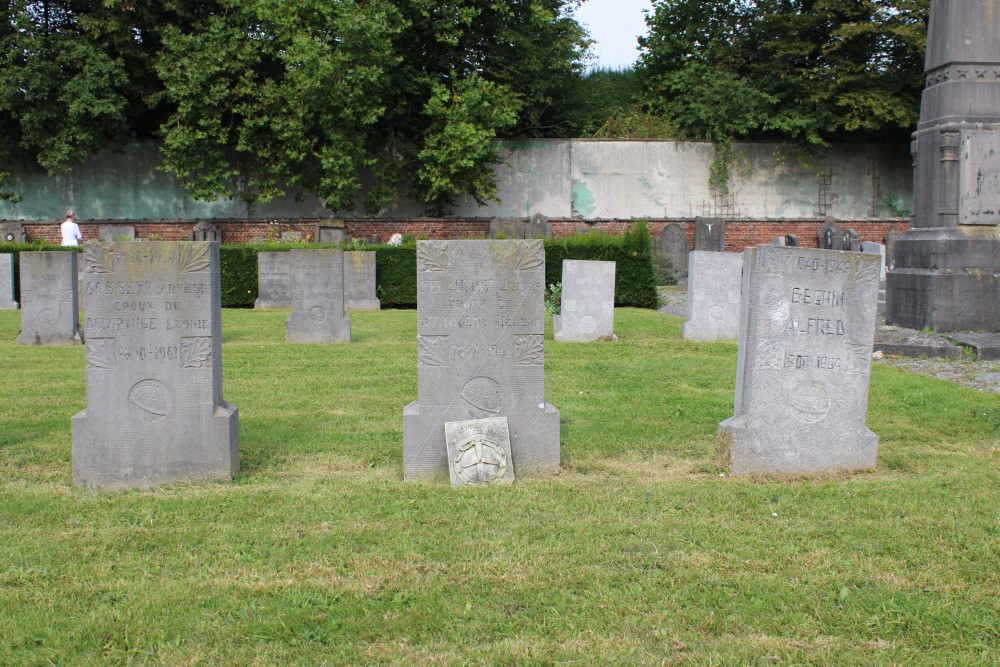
947 266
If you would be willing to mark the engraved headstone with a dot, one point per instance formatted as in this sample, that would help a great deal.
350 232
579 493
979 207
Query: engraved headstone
12 232
49 308
155 412
317 284
479 452
111 233
713 305
204 231
539 227
588 301
507 228
830 235
480 352
359 281
273 282
710 234
806 332
7 301
331 235
673 243
852 241
792 240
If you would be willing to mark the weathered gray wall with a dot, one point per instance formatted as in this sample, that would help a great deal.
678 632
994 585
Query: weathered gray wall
590 179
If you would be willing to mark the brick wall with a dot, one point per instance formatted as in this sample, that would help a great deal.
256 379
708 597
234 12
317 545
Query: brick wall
740 233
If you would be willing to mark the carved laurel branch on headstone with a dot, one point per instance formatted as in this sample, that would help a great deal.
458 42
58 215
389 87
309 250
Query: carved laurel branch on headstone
433 256
528 256
528 350
99 258
196 352
775 265
429 351
868 271
193 257
102 353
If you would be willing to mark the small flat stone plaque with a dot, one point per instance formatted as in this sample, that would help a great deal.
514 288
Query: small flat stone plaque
588 301
359 281
479 452
317 284
273 281
807 325
715 283
7 301
49 308
155 412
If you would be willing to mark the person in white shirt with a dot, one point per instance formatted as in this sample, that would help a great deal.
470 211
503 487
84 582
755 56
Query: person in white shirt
70 230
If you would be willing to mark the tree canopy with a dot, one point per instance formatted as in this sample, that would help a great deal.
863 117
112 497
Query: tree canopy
344 99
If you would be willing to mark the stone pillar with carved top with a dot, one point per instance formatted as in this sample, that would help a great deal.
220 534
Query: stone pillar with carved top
945 273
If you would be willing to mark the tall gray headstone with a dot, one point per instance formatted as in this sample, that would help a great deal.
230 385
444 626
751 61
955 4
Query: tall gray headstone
317 284
360 291
480 352
155 412
710 234
806 332
673 243
588 301
49 308
945 271
273 281
7 301
715 282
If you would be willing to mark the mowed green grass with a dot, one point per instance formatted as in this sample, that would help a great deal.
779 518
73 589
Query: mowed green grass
641 550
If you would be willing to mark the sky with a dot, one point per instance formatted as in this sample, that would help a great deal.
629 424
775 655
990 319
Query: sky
614 25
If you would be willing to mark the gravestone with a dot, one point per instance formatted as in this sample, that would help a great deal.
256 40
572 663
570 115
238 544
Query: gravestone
806 331
359 281
12 232
830 235
292 237
155 412
479 452
49 309
204 231
778 240
588 301
539 227
792 240
673 243
273 281
891 237
111 233
316 278
878 249
713 304
480 352
331 235
710 234
507 228
852 241
7 301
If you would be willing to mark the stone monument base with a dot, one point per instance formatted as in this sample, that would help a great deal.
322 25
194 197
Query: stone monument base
744 451
145 456
425 450
314 330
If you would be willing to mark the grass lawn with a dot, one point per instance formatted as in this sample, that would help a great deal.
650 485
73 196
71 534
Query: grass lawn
640 551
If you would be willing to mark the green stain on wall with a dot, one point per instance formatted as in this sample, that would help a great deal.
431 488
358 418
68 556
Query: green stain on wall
583 199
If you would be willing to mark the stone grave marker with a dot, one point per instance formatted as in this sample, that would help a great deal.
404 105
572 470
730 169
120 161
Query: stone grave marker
806 332
111 233
852 241
359 281
891 237
877 249
317 285
830 236
792 240
12 232
479 452
7 301
588 301
507 228
480 352
713 305
673 243
331 235
153 325
273 281
539 227
778 240
710 234
49 309
204 231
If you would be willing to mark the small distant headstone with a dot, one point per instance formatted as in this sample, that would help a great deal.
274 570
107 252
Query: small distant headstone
852 241
7 295
332 234
317 286
49 308
359 281
291 237
891 237
792 241
539 227
507 228
715 282
479 452
155 412
808 322
588 229
12 232
878 249
778 240
273 281
110 233
710 234
205 231
673 243
480 352
830 235
588 301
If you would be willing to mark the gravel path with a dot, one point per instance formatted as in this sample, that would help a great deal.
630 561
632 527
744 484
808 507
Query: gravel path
981 375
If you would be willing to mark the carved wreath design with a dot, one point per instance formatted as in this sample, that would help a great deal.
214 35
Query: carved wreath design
432 256
529 255
529 350
431 351
99 258
196 352
193 257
